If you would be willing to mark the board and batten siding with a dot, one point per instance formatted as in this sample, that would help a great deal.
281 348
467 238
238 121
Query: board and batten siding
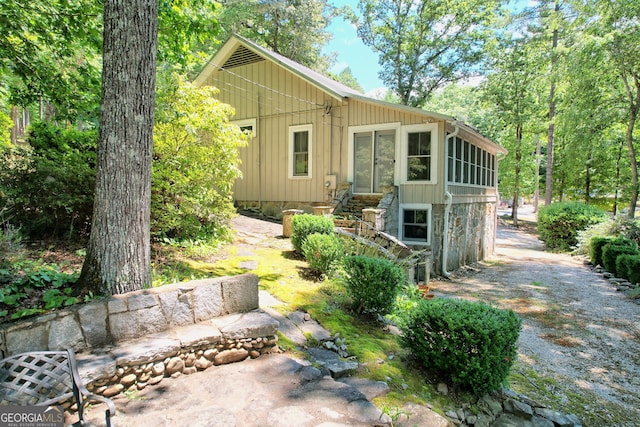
277 99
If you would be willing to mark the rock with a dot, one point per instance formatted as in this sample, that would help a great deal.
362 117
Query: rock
519 409
190 360
443 389
558 419
494 406
175 365
230 356
210 354
203 363
113 390
189 370
128 380
156 379
157 369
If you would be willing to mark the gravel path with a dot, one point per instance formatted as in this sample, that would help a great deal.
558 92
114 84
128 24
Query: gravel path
579 350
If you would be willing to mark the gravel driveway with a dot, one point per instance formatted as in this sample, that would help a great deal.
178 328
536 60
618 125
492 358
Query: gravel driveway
579 350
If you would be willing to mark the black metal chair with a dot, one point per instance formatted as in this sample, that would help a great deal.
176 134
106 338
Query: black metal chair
46 378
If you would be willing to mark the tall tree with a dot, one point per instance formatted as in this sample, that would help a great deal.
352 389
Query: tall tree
118 252
422 44
510 90
622 41
296 29
552 104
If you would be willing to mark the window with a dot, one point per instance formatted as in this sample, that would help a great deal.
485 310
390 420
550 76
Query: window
469 164
416 224
300 144
418 151
419 156
247 126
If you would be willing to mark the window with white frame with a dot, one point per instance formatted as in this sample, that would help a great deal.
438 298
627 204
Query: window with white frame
419 151
469 164
247 126
415 226
300 154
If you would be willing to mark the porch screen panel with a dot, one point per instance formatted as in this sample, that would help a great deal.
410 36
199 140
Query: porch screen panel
363 174
384 163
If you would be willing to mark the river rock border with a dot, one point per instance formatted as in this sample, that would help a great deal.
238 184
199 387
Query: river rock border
186 361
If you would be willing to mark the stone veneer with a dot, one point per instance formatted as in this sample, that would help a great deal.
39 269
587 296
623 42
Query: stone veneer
131 315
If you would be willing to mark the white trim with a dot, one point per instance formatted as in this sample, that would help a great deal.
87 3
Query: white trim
420 207
292 130
247 123
404 152
352 130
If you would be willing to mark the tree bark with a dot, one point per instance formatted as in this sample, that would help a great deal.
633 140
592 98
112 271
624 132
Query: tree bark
548 196
118 252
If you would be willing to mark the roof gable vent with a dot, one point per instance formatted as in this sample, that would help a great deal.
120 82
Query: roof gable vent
242 56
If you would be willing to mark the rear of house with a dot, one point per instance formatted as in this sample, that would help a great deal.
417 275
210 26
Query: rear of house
317 142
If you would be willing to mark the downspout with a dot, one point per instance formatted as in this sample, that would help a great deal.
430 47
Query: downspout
259 158
448 201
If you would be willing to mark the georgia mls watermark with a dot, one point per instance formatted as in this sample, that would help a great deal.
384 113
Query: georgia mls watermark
31 416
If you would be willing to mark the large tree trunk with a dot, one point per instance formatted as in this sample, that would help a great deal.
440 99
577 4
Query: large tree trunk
118 252
548 196
634 163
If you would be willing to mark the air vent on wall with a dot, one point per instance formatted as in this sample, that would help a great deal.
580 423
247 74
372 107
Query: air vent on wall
242 56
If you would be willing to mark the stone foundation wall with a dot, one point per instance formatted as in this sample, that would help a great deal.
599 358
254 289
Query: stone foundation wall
135 314
471 236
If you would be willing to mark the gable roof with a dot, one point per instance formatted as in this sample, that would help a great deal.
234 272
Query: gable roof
238 51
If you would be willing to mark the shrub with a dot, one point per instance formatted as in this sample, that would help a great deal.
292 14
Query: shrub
372 283
47 185
302 226
471 343
323 252
628 267
559 223
595 248
616 226
612 250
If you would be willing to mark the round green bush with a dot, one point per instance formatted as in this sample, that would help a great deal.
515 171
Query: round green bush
323 252
595 248
471 343
612 250
372 283
628 267
559 223
302 226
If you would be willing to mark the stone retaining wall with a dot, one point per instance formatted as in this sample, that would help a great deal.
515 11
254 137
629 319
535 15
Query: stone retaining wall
135 314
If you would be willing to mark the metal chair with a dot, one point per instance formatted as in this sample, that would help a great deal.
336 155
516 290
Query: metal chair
45 378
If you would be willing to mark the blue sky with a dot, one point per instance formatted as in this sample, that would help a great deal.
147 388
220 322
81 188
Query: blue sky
359 57
352 52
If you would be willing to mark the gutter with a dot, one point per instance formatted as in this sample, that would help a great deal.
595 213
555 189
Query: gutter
448 201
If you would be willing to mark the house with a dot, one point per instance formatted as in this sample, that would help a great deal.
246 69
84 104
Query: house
430 179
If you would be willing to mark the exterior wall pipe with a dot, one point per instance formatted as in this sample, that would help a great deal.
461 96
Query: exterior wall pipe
448 202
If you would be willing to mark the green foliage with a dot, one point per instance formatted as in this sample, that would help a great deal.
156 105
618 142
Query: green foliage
304 225
5 130
595 252
471 343
617 226
559 223
28 288
628 267
323 252
372 283
195 163
612 250
47 186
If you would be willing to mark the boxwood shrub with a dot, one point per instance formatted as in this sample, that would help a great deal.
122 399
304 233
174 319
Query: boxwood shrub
612 250
471 343
595 248
372 283
323 252
628 267
559 223
304 225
